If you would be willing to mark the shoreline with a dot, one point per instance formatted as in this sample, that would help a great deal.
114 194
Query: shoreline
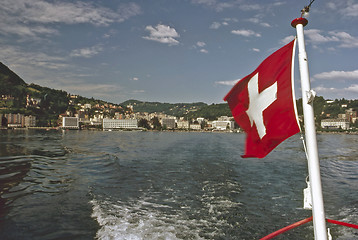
150 130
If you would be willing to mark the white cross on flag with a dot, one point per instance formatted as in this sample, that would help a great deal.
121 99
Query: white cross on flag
262 103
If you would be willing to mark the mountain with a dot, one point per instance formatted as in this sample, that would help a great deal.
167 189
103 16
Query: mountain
9 80
11 85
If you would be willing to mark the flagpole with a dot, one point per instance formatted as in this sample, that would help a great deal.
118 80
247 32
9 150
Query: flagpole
319 219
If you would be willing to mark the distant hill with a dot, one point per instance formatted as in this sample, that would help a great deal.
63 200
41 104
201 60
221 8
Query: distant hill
190 110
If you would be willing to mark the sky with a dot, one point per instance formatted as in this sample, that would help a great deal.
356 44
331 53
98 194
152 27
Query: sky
173 51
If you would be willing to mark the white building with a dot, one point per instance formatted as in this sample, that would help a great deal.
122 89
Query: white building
183 124
223 125
335 124
70 123
119 124
195 126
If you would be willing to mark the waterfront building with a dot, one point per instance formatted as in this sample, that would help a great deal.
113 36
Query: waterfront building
70 123
13 120
183 124
335 124
169 123
223 125
195 126
109 124
30 121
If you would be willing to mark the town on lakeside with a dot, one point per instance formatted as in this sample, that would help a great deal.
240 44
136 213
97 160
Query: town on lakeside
88 116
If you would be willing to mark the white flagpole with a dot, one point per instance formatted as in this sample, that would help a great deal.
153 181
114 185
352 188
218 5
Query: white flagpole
319 219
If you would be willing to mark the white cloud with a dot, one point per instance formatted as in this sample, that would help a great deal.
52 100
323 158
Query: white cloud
346 8
86 52
27 31
216 4
338 75
201 44
219 5
256 50
29 18
40 11
264 24
331 5
253 20
246 33
349 92
352 88
20 57
251 7
225 22
227 83
351 10
134 79
287 39
258 21
278 3
163 34
344 39
316 36
324 90
215 25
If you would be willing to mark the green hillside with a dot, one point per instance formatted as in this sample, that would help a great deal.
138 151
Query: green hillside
174 109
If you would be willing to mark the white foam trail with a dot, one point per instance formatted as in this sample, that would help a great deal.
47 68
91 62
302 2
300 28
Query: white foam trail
120 221
144 218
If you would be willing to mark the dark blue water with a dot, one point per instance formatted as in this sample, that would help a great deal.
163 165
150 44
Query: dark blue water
165 185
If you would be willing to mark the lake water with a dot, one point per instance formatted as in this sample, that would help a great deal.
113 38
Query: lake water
166 185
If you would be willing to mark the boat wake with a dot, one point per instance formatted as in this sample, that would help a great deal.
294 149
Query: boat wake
139 221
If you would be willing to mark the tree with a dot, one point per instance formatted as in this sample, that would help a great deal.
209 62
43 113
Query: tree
203 124
4 121
156 124
143 123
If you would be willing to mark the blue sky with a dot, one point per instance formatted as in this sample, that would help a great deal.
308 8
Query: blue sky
173 50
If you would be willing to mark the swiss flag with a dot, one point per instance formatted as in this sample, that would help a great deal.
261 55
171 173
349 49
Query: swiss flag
263 103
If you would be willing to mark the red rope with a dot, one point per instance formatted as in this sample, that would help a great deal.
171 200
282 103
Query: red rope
342 223
285 229
299 223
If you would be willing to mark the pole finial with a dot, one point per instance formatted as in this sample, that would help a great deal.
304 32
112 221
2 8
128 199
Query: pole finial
297 21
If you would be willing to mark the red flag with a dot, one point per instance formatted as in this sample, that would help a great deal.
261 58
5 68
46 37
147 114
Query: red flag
263 103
